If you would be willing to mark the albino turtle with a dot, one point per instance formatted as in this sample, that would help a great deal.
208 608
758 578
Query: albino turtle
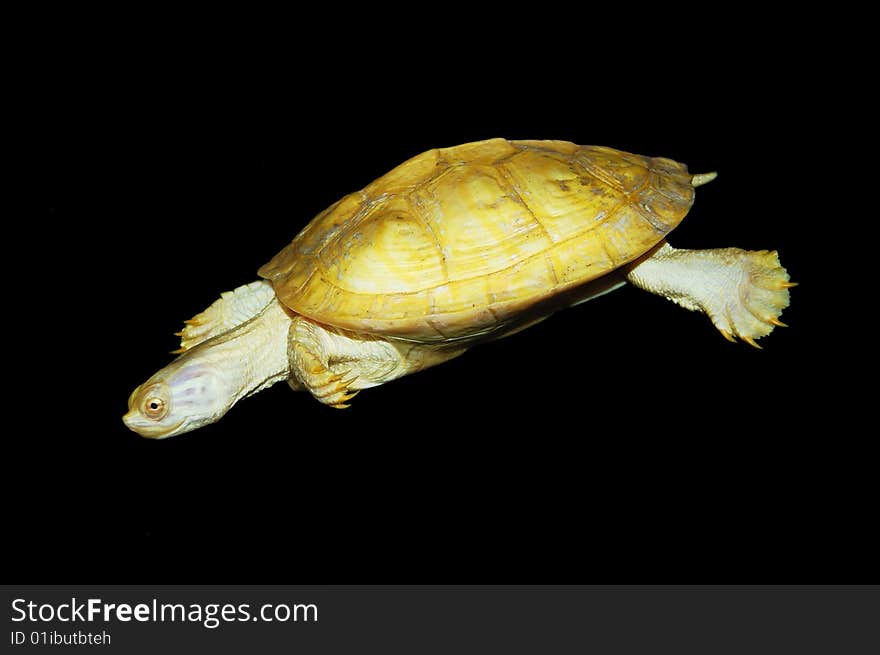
452 248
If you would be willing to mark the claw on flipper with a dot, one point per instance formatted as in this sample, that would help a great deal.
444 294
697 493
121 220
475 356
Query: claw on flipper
335 383
751 342
727 335
342 402
777 322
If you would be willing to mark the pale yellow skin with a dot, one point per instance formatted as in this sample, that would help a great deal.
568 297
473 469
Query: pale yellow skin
454 247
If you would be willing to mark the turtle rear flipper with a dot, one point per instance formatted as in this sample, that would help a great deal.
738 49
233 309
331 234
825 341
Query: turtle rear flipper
742 291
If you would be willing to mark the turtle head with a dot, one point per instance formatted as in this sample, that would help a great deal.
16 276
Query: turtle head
183 396
236 347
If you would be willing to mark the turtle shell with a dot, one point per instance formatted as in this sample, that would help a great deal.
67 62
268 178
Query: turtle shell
459 242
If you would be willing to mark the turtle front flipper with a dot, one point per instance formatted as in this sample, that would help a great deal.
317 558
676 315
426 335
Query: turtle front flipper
743 292
330 388
230 310
333 364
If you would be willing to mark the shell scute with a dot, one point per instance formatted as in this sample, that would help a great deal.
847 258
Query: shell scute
460 204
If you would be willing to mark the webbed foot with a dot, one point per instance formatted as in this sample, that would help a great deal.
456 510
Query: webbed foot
756 295
742 291
328 386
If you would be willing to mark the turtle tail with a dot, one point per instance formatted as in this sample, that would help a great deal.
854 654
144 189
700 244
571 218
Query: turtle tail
703 178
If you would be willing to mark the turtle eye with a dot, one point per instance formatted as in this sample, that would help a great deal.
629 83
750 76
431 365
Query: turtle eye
154 408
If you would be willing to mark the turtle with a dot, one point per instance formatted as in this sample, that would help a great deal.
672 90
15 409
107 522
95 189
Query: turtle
455 247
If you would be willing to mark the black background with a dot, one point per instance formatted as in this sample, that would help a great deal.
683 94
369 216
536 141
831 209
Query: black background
620 441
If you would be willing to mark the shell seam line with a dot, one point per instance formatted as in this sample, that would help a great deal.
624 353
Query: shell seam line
367 207
646 214
418 210
601 177
517 197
